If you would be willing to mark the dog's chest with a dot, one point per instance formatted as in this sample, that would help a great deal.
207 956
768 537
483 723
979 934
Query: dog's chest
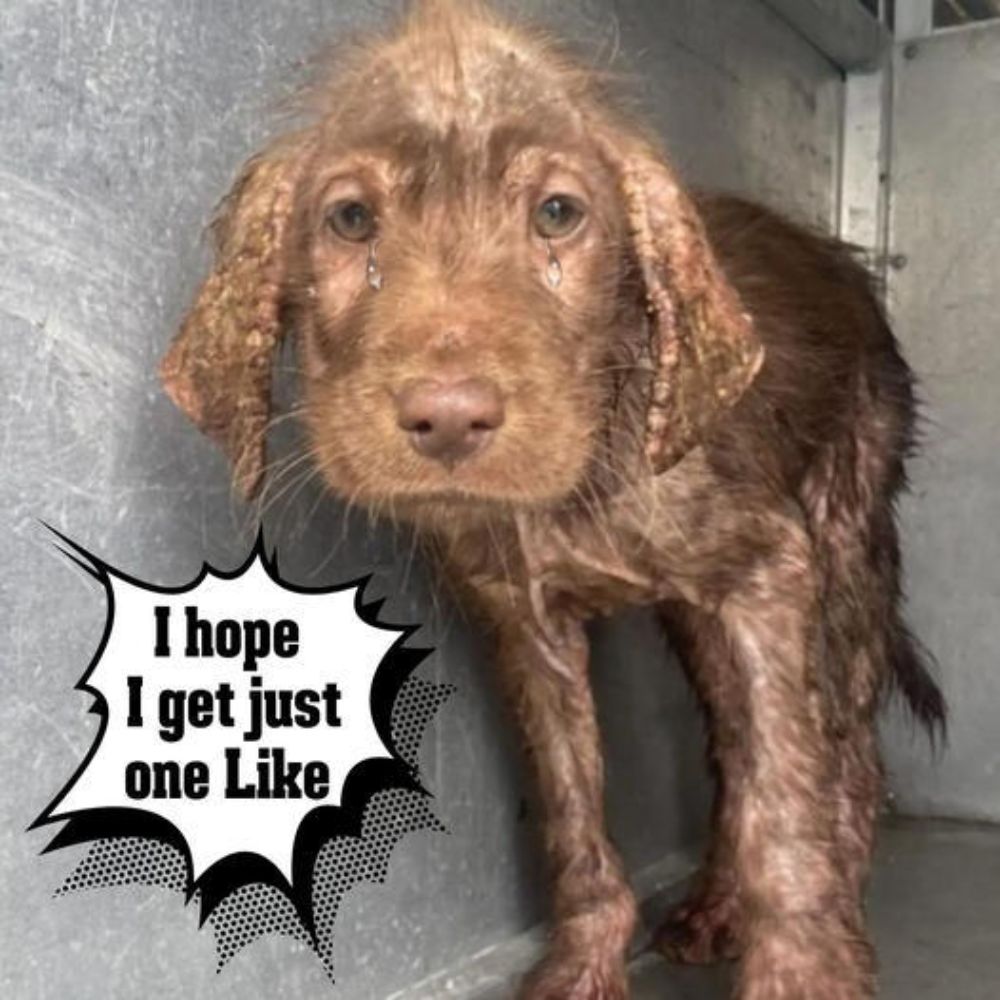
589 573
559 565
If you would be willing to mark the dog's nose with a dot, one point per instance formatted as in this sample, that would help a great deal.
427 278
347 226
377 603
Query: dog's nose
450 421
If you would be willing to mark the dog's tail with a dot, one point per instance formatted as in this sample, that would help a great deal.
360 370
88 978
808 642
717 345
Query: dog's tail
911 669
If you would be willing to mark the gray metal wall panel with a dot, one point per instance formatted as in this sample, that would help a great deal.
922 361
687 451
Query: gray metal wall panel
844 30
946 196
123 124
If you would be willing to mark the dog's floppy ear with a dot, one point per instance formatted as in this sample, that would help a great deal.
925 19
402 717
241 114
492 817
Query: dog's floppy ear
704 349
218 369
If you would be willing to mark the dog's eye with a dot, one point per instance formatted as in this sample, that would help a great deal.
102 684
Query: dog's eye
352 220
558 216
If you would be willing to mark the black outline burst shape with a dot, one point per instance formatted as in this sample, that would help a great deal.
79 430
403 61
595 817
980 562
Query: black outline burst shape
317 827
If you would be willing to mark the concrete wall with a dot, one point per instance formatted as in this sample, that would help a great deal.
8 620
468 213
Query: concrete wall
123 124
945 198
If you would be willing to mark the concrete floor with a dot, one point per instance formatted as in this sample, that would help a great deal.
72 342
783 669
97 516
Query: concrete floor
934 908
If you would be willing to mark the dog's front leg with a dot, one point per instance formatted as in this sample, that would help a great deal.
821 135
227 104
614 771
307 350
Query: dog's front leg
593 907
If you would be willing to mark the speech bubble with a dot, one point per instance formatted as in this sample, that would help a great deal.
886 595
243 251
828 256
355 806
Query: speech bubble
243 720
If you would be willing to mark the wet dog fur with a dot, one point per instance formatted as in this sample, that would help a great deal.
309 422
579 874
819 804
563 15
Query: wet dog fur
704 412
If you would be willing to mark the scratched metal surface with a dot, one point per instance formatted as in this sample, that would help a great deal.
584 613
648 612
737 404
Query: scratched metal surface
123 122
946 221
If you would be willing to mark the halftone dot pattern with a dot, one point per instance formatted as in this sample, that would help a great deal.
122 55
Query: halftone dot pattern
256 910
416 705
128 861
248 914
343 862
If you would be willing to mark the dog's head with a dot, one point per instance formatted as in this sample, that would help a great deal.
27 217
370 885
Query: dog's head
471 249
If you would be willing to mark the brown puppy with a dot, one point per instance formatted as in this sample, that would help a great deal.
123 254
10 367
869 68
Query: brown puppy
589 389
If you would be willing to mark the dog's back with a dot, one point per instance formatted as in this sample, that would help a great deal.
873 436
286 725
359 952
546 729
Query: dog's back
832 416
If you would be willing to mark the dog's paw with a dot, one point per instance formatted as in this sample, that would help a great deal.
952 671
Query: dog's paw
569 976
701 930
